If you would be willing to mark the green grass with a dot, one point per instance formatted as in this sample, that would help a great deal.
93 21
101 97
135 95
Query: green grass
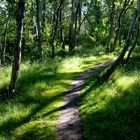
33 113
111 110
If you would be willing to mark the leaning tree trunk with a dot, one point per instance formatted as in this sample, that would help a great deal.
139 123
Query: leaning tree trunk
133 45
17 45
119 60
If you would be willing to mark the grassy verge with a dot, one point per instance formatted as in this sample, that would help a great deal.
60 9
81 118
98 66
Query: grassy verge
111 110
33 114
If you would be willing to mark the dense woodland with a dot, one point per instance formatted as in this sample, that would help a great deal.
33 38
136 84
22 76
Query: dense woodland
44 44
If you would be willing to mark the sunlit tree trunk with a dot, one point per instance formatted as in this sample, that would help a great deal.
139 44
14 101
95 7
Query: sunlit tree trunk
39 28
44 15
17 45
71 29
134 42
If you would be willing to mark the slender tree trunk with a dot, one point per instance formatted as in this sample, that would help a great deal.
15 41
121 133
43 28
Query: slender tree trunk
44 15
71 29
78 21
133 45
17 46
118 32
4 42
112 13
120 58
80 11
55 26
61 30
39 28
60 24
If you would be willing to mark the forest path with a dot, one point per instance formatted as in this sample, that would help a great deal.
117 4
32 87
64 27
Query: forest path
69 126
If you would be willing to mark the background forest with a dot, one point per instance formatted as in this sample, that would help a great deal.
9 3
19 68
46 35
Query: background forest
44 44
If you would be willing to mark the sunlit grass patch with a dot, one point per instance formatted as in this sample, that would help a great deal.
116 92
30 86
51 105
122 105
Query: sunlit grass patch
126 83
4 76
36 130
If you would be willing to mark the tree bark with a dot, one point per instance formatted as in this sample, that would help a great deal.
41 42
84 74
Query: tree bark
133 45
61 34
44 15
55 26
4 42
71 29
39 28
112 12
17 45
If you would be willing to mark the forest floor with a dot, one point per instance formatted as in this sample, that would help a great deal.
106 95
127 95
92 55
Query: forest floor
69 126
107 110
34 112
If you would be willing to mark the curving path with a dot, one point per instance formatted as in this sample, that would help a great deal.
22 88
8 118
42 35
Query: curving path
69 126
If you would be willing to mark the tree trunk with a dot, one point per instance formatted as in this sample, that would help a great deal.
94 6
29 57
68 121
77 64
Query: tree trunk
71 29
133 45
17 45
4 42
112 12
61 31
55 26
119 60
124 10
44 15
39 28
